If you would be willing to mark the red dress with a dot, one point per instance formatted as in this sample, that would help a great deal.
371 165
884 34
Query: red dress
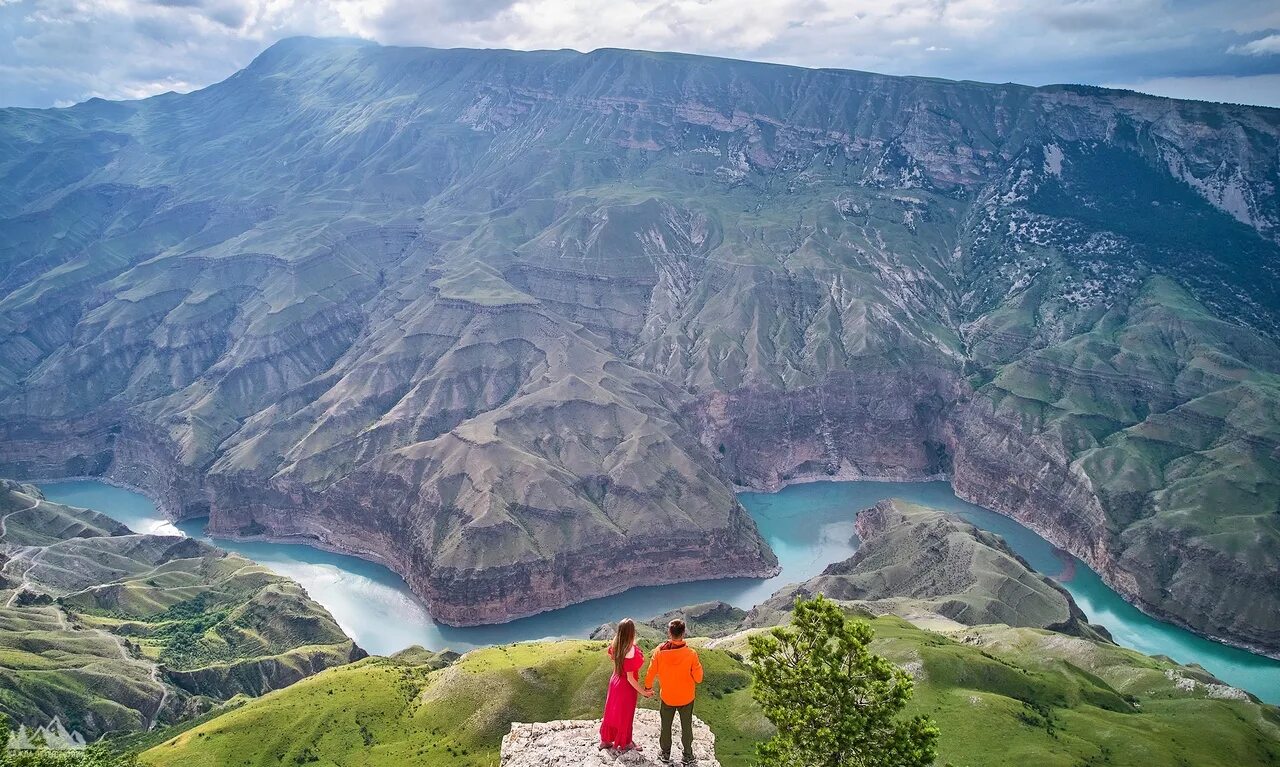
620 706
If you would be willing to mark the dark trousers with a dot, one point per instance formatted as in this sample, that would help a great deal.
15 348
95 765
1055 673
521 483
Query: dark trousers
668 714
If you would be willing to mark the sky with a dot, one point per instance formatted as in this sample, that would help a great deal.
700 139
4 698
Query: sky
60 52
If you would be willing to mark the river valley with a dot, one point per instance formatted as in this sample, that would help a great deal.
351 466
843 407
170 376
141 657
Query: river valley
808 526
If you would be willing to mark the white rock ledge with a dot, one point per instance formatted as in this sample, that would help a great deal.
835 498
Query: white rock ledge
572 743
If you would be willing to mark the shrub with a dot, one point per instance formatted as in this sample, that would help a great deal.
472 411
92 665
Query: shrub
834 703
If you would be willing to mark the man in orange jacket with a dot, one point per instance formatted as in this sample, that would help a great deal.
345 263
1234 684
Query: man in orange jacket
679 672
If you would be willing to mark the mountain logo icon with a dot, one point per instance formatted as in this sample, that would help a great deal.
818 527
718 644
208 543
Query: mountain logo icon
53 736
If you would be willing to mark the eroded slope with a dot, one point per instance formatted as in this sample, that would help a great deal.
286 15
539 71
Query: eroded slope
113 631
507 320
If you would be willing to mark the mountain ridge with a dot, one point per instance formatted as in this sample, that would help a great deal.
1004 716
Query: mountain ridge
513 320
1086 88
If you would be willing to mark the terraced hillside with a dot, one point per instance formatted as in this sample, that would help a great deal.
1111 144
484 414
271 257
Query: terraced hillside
510 322
1001 696
113 631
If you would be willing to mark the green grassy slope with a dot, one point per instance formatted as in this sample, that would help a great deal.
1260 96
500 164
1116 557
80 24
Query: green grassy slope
1170 413
387 712
84 677
1002 696
115 631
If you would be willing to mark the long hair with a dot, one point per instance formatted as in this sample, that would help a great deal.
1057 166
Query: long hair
622 641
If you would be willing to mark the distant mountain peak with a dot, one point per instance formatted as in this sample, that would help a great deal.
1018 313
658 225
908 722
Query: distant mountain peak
291 49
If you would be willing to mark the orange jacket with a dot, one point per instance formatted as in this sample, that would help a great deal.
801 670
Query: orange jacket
678 670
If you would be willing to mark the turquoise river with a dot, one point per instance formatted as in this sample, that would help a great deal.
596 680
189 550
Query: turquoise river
808 525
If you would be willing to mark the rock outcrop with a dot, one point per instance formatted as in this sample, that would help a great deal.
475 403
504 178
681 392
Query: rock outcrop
572 743
915 561
705 619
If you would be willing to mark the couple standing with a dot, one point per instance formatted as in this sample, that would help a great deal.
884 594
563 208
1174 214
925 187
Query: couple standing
678 671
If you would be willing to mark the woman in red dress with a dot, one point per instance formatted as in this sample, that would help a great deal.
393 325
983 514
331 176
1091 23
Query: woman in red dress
624 687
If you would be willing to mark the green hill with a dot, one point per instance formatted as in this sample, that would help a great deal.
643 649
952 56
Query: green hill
927 565
116 631
1002 696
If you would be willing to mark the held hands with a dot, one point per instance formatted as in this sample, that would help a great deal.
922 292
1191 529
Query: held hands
647 692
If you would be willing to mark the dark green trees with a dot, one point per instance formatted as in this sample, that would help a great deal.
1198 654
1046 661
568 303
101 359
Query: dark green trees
834 703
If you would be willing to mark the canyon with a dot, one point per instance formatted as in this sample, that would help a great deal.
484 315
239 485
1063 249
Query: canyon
517 325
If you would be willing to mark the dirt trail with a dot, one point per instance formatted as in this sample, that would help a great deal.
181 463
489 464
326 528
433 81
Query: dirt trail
153 672
34 503
32 554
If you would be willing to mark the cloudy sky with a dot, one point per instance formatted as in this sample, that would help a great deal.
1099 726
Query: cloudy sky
58 52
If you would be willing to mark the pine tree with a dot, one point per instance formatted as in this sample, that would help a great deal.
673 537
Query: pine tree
834 703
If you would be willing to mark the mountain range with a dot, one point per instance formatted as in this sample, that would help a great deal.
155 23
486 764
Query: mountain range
518 324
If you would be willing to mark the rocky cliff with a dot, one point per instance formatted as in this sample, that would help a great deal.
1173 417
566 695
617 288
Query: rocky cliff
510 322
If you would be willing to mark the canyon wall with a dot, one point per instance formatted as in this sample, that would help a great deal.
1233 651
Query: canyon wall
514 323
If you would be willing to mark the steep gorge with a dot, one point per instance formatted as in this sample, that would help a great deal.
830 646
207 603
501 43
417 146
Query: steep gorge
516 323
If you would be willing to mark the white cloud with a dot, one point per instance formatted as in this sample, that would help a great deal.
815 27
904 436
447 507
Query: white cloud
1263 46
58 50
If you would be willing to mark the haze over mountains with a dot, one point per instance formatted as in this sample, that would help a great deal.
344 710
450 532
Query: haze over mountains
518 323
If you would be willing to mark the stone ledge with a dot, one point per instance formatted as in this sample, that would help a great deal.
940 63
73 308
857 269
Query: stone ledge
572 743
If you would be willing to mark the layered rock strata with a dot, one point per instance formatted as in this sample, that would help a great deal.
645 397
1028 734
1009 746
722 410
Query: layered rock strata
505 321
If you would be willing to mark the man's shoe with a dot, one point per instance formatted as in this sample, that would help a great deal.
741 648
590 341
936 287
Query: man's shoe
689 759
664 758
